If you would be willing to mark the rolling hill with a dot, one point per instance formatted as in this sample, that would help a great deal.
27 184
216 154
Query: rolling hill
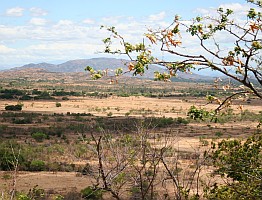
104 63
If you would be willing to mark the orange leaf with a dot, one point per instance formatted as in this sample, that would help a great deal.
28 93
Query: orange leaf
254 27
175 42
131 66
152 38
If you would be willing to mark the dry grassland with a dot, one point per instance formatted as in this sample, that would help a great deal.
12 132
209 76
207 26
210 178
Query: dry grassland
186 138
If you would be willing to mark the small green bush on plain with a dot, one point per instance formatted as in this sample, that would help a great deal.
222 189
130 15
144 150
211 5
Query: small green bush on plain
57 104
39 136
37 165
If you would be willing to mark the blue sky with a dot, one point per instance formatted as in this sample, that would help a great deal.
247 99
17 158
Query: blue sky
34 31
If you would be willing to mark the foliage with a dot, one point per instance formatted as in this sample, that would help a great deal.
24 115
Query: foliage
37 165
110 114
10 93
24 120
240 163
26 94
92 193
57 104
196 113
33 194
17 107
227 115
65 98
39 136
8 158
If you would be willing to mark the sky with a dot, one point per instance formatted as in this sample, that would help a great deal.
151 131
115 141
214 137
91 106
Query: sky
55 31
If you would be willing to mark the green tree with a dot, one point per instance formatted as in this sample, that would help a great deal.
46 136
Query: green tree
240 164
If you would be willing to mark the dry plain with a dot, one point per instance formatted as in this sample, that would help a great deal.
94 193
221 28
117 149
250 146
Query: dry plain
190 138
187 136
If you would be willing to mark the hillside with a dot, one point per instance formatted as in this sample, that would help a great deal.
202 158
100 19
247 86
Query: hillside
104 63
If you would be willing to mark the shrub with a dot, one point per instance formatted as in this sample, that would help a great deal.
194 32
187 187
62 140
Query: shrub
34 194
39 136
160 122
25 120
181 120
57 104
195 113
92 193
25 97
17 107
110 114
37 165
65 98
8 159
240 161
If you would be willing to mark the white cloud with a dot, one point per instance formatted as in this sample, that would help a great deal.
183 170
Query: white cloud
157 17
239 9
204 11
236 7
89 21
65 23
6 50
15 12
38 12
38 21
112 20
10 33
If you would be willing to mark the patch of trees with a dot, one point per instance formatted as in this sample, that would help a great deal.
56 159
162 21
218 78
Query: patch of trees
66 93
10 93
17 107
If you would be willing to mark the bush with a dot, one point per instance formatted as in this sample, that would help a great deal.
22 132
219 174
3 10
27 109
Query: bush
25 120
160 122
110 114
25 97
65 98
37 165
240 161
8 159
39 137
92 193
34 194
181 120
17 107
57 104
196 113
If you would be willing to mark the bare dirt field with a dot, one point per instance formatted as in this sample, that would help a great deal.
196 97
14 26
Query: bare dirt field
58 181
119 106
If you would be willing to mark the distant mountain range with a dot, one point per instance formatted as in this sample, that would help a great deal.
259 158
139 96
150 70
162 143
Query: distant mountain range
102 64
79 65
